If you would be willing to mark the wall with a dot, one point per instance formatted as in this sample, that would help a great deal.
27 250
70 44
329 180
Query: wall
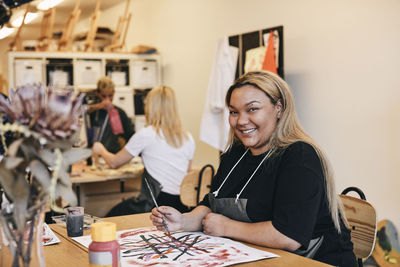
341 59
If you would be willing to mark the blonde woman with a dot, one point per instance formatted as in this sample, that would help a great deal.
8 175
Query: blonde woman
166 149
274 186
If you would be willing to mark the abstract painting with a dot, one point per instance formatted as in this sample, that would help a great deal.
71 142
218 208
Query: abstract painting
149 247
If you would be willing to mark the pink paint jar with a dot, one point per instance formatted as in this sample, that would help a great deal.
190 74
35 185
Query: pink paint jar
104 249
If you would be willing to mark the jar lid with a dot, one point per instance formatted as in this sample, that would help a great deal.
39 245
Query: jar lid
103 231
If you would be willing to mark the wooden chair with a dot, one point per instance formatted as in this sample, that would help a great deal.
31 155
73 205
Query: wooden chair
361 216
196 184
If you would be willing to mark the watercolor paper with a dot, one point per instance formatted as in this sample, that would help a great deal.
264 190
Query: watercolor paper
147 246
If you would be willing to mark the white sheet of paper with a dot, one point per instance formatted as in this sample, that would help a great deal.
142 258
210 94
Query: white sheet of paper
147 246
49 237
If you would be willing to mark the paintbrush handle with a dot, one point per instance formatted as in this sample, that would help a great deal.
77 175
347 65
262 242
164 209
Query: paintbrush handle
103 127
151 192
155 203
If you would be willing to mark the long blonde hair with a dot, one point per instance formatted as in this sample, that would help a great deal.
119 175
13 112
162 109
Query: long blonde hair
161 112
288 129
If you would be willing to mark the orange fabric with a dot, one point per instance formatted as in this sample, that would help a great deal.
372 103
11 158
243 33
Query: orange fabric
269 59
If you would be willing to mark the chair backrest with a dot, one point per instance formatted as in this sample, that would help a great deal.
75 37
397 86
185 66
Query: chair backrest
361 216
196 185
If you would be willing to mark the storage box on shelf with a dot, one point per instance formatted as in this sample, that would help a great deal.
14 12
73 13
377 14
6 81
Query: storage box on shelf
82 70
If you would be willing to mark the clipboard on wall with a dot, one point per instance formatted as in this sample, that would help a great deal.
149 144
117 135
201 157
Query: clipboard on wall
251 40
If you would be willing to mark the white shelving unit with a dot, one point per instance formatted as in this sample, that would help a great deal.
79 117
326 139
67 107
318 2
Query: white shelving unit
82 70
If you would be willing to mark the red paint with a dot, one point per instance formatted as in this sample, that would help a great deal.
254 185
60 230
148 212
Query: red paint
47 239
110 246
221 255
133 233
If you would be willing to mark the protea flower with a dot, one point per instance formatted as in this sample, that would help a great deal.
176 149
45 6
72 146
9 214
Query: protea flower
54 114
43 124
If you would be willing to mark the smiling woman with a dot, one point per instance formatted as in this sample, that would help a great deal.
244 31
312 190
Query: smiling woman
280 192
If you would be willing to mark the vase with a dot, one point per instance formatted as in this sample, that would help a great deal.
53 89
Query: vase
21 248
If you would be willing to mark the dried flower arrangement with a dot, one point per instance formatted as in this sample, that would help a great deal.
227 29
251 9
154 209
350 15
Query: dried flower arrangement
44 123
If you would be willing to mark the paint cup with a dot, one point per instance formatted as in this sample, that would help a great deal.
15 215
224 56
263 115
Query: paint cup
75 221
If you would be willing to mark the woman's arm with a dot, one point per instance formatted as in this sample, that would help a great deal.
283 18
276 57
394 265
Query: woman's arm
192 221
112 160
104 104
261 233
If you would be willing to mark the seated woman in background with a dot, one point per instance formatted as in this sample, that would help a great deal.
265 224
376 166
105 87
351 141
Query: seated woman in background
274 186
166 149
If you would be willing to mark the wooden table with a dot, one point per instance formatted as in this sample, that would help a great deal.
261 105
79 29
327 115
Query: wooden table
71 253
81 174
113 184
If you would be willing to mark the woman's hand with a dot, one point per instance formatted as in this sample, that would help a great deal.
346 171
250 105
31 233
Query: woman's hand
98 148
214 224
172 217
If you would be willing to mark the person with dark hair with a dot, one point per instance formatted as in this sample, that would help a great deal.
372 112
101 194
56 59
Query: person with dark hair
99 118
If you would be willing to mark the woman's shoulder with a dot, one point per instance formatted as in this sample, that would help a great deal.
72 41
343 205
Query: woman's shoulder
189 136
147 131
300 147
301 153
189 142
298 151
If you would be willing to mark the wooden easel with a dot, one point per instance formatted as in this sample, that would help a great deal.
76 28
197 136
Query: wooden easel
3 85
91 35
46 31
16 44
122 30
65 41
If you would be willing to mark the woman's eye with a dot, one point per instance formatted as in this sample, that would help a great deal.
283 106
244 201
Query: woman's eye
252 109
232 112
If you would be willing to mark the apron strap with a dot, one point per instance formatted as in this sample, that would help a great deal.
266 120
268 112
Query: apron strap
312 248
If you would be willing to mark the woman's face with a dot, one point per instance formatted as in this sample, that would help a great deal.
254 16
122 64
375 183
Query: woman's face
253 117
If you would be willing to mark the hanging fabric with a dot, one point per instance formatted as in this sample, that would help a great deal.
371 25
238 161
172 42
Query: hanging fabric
214 129
269 60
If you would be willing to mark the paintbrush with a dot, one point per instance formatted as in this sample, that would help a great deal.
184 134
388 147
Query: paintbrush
103 127
155 203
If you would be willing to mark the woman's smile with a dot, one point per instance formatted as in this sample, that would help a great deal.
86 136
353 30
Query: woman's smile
248 131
